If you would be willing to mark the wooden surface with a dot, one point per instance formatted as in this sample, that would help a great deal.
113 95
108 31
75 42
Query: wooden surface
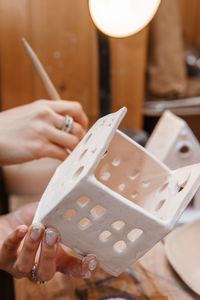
128 58
150 278
64 38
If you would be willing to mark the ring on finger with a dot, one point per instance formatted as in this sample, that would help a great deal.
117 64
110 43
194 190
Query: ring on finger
34 275
67 124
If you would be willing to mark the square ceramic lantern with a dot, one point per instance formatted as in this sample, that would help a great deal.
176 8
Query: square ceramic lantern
173 142
111 197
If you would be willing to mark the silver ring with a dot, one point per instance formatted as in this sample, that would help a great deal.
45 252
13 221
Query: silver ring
34 275
68 124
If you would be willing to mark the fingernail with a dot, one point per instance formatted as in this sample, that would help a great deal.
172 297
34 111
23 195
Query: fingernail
21 233
50 237
35 233
87 275
92 264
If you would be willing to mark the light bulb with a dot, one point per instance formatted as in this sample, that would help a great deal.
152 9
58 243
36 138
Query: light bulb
121 18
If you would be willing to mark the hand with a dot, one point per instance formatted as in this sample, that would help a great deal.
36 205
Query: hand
33 131
18 258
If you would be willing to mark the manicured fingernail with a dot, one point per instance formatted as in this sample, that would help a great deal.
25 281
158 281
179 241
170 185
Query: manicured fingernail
35 233
50 237
87 275
92 264
21 233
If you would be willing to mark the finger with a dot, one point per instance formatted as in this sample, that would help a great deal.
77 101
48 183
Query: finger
24 214
89 264
71 108
77 130
49 149
62 138
57 120
11 245
47 262
26 258
74 266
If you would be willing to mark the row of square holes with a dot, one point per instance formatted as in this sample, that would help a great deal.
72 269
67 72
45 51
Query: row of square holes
96 212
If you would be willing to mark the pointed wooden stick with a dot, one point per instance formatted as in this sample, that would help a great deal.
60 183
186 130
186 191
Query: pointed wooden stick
53 94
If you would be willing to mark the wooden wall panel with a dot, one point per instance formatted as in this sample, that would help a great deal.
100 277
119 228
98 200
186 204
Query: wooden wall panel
16 76
190 13
64 38
128 68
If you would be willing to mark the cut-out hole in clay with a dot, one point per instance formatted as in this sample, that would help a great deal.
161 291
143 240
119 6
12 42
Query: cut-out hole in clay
105 175
121 187
83 201
118 225
93 150
88 138
160 205
165 185
116 162
97 211
102 122
146 183
180 188
120 247
105 153
78 172
134 195
83 153
104 236
184 149
111 122
70 213
134 174
84 223
182 185
134 234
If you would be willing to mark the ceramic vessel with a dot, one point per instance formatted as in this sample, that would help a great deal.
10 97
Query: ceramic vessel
173 142
111 197
182 248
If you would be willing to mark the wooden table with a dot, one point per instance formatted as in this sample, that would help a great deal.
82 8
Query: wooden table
150 278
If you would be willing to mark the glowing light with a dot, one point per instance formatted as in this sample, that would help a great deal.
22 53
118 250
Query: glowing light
121 18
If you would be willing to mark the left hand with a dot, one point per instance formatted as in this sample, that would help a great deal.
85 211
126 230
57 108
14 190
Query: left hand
18 258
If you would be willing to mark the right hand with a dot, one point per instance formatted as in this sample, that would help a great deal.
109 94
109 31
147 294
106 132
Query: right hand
33 131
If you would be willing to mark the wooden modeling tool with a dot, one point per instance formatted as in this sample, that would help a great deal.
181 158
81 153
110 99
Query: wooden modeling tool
53 94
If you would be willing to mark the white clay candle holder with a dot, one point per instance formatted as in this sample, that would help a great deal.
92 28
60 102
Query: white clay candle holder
173 142
111 197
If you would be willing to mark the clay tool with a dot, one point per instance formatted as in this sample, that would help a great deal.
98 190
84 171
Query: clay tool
53 94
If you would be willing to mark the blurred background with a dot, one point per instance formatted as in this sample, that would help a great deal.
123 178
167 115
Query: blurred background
154 69
161 62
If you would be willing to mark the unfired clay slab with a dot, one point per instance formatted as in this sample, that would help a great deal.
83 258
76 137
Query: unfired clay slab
182 247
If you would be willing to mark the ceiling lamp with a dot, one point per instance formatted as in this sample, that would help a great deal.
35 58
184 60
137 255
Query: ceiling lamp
121 18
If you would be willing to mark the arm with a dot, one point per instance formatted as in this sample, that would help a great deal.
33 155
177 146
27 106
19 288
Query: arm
29 178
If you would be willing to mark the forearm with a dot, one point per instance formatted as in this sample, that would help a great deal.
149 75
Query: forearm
29 178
